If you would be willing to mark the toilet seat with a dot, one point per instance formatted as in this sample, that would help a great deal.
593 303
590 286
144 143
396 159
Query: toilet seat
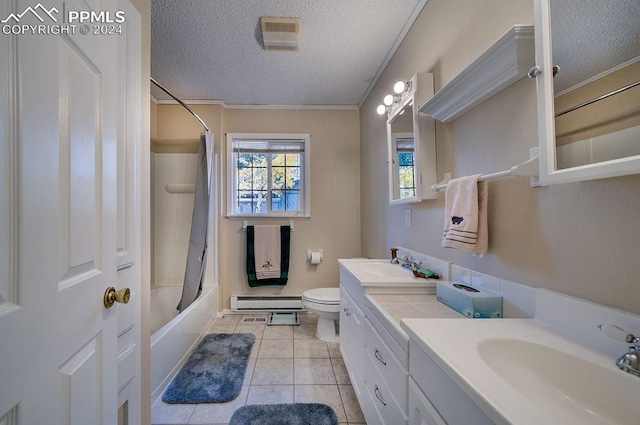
325 296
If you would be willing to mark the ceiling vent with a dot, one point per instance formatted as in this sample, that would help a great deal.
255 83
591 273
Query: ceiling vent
280 33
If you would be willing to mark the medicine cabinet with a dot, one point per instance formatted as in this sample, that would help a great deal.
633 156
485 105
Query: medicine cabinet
589 113
411 144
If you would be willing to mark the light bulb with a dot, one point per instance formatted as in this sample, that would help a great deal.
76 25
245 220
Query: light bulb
399 87
381 109
388 100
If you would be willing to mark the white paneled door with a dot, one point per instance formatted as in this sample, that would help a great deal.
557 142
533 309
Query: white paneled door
61 125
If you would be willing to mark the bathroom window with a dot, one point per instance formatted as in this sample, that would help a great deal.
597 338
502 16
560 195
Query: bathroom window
268 175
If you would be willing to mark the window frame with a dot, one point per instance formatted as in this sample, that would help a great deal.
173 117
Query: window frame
305 175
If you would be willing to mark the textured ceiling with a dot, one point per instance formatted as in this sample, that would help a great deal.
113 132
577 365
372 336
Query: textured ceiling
590 37
212 50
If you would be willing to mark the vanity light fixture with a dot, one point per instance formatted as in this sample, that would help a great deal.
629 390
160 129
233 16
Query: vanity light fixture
401 86
388 101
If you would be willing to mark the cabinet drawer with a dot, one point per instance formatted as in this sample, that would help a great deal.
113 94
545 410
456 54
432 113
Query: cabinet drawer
452 403
421 411
400 350
381 396
394 375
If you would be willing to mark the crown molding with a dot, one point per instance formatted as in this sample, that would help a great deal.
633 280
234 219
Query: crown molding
236 106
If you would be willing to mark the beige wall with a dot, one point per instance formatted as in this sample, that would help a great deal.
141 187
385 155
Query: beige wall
334 225
581 239
177 131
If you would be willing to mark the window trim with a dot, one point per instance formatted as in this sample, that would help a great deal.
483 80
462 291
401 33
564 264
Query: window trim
231 183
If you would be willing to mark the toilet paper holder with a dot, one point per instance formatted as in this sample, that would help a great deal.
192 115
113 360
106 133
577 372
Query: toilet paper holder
314 257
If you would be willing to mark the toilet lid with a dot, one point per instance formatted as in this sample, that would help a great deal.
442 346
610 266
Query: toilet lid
323 295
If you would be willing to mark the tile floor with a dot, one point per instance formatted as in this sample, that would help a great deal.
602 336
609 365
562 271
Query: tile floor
288 364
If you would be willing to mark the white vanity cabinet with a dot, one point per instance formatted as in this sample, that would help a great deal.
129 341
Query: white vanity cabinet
352 295
385 377
374 348
378 377
351 346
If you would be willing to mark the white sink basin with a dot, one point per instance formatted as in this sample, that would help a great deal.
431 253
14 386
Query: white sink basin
386 270
381 272
521 372
563 380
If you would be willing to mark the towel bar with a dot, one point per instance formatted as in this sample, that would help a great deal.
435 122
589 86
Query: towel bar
526 169
245 223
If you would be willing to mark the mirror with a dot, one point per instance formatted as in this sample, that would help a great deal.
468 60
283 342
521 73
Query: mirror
411 146
589 113
403 159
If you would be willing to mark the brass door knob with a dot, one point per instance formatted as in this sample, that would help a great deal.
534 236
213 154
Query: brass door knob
111 296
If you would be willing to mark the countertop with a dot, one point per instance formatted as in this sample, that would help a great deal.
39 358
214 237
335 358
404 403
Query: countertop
389 309
544 394
399 306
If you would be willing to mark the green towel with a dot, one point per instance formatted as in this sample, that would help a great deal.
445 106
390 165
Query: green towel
285 247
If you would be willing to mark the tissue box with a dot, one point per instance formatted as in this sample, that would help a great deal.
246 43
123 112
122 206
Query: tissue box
469 301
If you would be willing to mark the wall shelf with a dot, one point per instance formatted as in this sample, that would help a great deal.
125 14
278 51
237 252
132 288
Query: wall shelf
505 62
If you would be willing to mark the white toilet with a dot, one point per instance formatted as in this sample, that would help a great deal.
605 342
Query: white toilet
325 302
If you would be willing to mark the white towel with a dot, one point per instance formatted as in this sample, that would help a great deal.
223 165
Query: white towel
266 249
465 215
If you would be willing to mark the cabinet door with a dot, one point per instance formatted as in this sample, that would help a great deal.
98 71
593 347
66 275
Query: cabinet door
345 330
358 351
351 341
421 411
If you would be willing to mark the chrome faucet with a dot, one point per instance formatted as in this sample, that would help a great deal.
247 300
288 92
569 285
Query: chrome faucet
629 361
411 263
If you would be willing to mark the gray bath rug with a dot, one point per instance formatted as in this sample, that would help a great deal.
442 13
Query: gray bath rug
284 414
214 372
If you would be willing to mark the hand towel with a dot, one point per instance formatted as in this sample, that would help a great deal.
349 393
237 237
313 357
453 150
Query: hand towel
252 265
266 251
465 215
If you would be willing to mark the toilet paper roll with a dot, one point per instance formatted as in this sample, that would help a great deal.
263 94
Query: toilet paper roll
315 257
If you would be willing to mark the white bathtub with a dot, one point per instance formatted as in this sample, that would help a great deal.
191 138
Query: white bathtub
173 340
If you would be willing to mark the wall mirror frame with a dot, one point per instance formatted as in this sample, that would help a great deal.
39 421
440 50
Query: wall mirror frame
411 144
600 162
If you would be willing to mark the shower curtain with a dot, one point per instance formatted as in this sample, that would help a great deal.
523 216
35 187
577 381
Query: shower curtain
197 255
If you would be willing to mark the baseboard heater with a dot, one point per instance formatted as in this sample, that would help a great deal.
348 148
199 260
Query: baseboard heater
266 303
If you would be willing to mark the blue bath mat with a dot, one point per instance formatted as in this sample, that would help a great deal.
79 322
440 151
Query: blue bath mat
284 414
214 372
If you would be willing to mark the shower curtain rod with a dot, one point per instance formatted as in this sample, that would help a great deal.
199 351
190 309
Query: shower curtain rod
597 99
161 87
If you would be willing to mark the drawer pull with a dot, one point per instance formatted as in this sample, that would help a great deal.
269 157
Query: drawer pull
378 356
376 391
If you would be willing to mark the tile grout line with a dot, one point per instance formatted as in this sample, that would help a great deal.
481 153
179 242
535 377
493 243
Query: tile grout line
342 403
293 365
338 387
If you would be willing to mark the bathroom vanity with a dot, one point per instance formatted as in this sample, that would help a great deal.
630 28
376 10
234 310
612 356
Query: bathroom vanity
374 296
413 360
